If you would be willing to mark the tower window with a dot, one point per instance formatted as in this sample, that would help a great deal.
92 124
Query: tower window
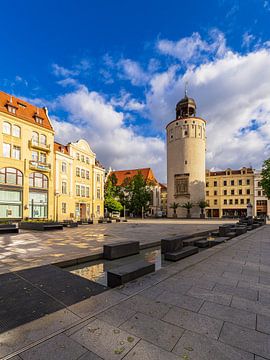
185 162
186 133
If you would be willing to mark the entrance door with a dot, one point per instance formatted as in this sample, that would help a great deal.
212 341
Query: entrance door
82 211
215 212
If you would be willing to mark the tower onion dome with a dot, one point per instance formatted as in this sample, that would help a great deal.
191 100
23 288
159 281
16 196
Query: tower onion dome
186 107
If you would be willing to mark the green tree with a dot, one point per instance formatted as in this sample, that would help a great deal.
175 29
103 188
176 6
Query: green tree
202 205
174 206
113 205
138 194
265 182
188 205
111 195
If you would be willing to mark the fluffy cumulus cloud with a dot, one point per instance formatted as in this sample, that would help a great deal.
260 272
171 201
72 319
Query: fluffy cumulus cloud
91 117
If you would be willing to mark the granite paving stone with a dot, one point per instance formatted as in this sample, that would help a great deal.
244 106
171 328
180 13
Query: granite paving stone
252 306
183 301
223 299
106 341
246 339
227 313
146 351
245 293
118 314
153 330
194 322
232 275
59 347
89 355
263 323
193 346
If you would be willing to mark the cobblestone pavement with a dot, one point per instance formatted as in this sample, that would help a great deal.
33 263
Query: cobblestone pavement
33 248
214 305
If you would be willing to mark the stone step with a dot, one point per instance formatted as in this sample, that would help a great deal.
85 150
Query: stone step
119 250
202 243
181 254
126 273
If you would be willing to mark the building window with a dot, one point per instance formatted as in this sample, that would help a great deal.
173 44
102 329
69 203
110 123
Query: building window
78 190
43 139
16 152
98 193
38 204
236 201
11 176
16 131
259 193
38 120
64 167
207 184
215 183
34 156
38 180
87 174
231 201
11 109
83 191
35 138
83 173
232 192
248 181
225 202
215 193
98 210
207 193
215 202
64 187
78 156
248 191
224 183
64 208
87 160
185 162
242 201
224 192
78 172
240 182
6 128
232 182
43 158
248 201
259 184
240 191
82 158
87 192
6 150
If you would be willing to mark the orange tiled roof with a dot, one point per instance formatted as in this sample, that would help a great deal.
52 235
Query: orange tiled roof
121 175
24 110
61 148
233 172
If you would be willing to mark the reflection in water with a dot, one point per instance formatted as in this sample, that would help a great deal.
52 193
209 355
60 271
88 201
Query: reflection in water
96 270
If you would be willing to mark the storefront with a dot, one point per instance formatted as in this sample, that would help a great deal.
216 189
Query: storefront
11 181
38 196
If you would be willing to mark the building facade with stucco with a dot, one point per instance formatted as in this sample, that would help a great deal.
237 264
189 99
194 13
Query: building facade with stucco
186 142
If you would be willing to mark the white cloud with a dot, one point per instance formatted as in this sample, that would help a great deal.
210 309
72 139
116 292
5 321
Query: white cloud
90 116
248 39
62 71
194 48
131 70
68 82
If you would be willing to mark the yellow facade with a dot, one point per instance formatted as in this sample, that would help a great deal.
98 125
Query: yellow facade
228 192
79 182
26 162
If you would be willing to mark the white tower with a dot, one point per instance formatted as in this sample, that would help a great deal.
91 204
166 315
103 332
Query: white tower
186 158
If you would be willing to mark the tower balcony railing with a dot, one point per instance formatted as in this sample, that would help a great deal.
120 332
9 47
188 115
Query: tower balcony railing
38 165
38 145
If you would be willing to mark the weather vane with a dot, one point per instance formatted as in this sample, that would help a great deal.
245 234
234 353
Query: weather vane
186 84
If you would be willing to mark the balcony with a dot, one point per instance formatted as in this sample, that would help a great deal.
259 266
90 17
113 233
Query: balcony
37 165
39 145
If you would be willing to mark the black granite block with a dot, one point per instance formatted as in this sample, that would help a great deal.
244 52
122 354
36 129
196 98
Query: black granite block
201 243
126 273
172 244
181 254
9 230
225 229
119 250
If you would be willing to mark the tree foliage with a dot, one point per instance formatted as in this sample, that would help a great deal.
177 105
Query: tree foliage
174 206
111 195
265 182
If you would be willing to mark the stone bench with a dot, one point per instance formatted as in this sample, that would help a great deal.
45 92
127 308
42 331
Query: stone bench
172 244
217 241
191 241
119 250
7 229
202 243
181 254
126 273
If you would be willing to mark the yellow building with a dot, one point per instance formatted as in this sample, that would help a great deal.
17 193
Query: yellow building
26 160
79 182
228 192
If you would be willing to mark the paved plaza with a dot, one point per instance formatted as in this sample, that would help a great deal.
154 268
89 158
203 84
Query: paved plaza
35 248
214 305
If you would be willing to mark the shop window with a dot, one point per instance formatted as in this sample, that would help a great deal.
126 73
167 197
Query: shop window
38 180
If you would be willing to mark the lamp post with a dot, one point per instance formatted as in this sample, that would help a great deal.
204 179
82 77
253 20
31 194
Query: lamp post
56 207
249 210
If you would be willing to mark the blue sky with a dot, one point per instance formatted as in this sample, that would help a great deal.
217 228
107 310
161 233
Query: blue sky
112 71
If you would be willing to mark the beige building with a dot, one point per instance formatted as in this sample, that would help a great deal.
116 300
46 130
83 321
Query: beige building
186 158
163 198
228 192
261 202
79 182
26 160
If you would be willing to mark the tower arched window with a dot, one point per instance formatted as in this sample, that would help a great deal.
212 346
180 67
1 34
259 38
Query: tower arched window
16 131
6 128
35 138
43 139
38 180
11 176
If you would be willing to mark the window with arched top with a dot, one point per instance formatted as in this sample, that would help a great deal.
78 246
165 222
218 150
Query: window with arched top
16 131
43 139
38 180
11 176
35 137
6 128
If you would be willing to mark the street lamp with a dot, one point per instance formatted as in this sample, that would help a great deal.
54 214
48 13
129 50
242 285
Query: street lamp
57 194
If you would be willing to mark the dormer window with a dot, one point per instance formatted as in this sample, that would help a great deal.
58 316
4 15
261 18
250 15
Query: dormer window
11 109
38 120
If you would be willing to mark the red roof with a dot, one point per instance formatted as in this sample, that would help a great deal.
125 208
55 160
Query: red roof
61 148
24 110
121 175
